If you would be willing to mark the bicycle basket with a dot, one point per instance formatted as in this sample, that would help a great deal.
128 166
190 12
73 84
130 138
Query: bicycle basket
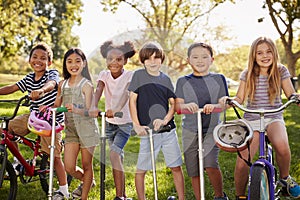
40 123
233 136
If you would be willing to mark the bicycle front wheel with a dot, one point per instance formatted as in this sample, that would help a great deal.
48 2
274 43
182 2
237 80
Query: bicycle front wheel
9 188
259 184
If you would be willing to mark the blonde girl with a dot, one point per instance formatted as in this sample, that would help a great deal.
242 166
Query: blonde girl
260 87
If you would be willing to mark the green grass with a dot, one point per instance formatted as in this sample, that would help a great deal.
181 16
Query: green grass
164 175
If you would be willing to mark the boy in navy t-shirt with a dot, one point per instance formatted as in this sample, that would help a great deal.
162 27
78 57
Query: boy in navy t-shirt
152 103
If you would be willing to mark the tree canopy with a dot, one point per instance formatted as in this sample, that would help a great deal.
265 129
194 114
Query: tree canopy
285 16
25 22
167 21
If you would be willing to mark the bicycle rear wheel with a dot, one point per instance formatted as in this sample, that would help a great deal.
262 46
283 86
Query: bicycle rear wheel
259 183
9 188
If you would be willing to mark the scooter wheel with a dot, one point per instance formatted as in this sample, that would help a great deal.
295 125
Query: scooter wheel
171 198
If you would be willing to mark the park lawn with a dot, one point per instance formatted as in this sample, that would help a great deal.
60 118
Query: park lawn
164 176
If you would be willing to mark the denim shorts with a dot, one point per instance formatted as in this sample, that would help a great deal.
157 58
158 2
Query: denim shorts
117 135
167 142
191 149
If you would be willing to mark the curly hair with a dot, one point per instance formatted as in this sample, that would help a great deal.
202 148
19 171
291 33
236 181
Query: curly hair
127 48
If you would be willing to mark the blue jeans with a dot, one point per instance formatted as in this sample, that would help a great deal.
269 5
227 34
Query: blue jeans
118 135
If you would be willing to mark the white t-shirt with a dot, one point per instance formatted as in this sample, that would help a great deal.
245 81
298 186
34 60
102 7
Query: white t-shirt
114 91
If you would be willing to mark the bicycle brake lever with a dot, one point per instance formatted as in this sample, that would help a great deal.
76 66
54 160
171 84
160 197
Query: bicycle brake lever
229 101
27 101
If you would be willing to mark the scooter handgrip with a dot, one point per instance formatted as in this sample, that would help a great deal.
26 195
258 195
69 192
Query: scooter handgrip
118 114
184 111
61 109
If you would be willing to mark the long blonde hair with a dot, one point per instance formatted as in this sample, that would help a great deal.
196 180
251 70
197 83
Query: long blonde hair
254 70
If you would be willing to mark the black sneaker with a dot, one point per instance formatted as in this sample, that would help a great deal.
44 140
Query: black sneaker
292 186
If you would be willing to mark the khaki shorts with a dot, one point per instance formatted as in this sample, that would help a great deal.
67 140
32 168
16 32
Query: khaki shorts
18 126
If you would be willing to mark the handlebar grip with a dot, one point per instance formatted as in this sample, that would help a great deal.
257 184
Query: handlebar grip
61 109
229 101
117 114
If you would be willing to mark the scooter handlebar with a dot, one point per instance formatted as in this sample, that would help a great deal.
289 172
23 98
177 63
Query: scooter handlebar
186 111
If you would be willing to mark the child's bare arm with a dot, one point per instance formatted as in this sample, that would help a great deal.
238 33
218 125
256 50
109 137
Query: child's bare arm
8 89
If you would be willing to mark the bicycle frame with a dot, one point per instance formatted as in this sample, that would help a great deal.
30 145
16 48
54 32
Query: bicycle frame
265 160
6 141
265 150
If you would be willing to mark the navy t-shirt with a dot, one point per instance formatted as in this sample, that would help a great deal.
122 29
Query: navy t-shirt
153 96
201 90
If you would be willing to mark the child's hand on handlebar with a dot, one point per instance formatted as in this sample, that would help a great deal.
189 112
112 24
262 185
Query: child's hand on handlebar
94 111
109 113
43 108
157 123
36 94
192 107
70 107
223 100
140 130
208 108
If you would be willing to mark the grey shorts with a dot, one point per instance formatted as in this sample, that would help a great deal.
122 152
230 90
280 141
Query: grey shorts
191 156
167 142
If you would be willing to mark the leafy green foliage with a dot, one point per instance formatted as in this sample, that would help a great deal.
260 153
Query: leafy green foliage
285 17
23 23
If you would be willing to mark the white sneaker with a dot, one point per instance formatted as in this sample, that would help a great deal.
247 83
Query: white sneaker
17 166
59 196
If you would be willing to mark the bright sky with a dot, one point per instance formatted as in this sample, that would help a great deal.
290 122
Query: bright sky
240 18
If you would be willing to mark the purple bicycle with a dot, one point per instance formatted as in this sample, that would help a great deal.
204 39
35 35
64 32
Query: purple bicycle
263 181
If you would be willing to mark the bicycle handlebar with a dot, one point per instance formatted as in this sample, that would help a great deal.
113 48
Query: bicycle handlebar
23 101
293 99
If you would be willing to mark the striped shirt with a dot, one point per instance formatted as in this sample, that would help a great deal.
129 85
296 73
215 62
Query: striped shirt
261 98
29 84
